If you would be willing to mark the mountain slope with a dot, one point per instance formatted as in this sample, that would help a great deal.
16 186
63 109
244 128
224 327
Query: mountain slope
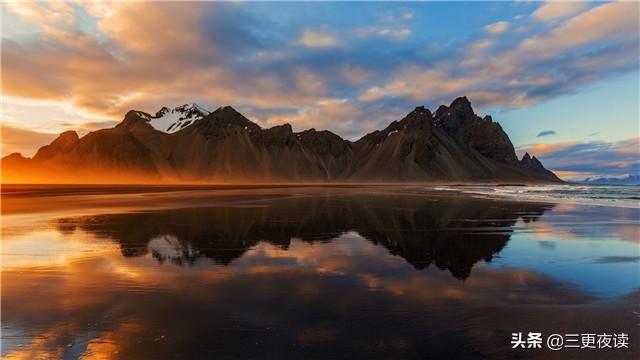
191 144
422 148
173 120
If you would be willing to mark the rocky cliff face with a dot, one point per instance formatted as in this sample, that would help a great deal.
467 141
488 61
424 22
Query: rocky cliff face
534 165
481 134
454 144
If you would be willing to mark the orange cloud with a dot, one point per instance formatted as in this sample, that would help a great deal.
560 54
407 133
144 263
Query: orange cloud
354 75
629 146
324 113
484 82
543 149
553 10
145 63
593 25
317 39
417 84
22 140
578 160
144 55
497 27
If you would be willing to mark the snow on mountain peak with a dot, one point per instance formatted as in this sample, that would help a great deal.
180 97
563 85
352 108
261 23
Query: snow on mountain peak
173 120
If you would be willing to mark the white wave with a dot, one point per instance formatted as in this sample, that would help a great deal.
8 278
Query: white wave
623 196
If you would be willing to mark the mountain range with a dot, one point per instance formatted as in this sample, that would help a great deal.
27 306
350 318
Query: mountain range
191 144
627 180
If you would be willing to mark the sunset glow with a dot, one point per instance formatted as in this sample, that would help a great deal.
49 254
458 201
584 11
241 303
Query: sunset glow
566 70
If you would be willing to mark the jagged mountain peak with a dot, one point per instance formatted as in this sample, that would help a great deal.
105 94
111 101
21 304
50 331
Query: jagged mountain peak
227 116
185 110
421 110
227 109
63 143
420 116
66 137
172 120
315 132
452 144
460 103
192 107
458 112
532 163
419 122
162 111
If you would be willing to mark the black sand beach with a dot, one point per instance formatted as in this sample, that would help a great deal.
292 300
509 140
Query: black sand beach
309 271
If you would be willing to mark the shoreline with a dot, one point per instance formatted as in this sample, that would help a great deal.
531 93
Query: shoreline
39 199
103 199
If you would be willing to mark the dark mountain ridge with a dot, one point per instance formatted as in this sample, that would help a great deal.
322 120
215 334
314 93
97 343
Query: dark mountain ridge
454 144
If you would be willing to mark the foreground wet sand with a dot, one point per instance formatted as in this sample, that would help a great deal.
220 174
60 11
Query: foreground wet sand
313 272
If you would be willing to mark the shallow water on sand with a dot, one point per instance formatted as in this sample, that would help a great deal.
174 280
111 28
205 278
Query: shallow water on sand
605 195
308 272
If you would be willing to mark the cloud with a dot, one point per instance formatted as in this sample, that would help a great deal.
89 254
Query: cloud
579 51
497 27
144 55
323 113
123 69
354 74
88 126
482 45
21 140
604 22
50 15
139 68
394 33
578 160
417 84
546 133
554 10
398 15
317 39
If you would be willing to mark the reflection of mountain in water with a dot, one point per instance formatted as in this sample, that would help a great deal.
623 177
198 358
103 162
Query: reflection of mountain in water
452 234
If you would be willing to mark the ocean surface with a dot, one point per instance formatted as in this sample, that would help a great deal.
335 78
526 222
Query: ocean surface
316 272
615 195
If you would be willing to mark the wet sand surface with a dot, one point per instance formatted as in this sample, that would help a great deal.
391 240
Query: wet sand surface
309 272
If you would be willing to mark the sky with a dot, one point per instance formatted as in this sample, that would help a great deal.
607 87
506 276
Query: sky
562 78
